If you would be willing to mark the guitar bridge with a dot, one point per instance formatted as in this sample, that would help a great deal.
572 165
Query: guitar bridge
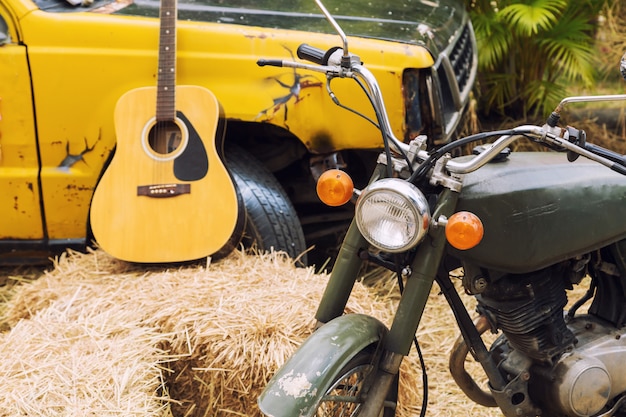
163 190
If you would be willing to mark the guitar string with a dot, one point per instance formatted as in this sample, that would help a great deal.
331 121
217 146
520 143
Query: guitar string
166 99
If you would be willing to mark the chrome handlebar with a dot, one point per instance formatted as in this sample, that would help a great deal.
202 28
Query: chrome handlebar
543 134
338 64
334 69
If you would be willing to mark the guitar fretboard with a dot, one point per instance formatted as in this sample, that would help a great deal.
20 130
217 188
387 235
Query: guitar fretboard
166 79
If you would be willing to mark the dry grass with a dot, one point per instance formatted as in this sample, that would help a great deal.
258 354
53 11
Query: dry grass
610 38
98 337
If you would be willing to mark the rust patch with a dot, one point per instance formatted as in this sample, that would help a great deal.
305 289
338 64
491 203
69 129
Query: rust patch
294 89
74 187
260 36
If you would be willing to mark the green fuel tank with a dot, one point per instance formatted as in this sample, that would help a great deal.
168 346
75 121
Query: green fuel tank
539 209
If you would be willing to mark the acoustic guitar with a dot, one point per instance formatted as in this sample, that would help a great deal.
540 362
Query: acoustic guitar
166 195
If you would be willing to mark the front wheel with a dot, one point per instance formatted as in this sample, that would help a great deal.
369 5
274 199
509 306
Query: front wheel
349 389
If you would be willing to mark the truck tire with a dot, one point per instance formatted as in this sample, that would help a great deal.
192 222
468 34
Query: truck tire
271 221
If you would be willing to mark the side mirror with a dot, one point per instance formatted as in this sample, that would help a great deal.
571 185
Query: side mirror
622 66
345 60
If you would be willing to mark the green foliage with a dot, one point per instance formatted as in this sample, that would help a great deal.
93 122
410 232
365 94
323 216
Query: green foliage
530 51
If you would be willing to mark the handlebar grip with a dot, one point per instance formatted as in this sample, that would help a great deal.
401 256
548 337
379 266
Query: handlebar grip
313 54
316 55
270 62
606 153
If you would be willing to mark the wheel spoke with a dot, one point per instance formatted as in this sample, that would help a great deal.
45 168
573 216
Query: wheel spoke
348 392
344 398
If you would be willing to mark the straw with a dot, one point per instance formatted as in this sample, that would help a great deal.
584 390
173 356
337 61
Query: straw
95 336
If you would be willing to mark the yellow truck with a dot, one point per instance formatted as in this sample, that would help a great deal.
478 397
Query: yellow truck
65 64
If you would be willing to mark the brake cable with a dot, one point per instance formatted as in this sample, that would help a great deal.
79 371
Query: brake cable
423 168
376 124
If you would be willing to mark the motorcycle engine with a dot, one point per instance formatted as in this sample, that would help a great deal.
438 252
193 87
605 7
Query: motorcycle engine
529 311
557 365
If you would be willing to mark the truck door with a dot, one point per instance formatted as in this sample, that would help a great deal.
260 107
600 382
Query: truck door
20 203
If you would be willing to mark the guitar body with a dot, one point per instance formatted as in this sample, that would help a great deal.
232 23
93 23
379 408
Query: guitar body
166 196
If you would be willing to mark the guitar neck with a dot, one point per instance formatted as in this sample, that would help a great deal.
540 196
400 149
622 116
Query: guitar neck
166 79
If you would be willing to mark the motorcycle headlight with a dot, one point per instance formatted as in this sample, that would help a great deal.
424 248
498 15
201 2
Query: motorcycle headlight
392 215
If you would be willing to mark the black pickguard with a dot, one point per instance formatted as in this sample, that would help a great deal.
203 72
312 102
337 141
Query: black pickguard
193 162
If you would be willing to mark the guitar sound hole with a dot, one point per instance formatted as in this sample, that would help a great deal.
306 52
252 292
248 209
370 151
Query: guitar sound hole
165 137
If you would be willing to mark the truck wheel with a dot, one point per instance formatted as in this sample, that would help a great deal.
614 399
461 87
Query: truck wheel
271 221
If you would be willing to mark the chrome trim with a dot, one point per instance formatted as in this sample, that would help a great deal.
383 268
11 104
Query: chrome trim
455 54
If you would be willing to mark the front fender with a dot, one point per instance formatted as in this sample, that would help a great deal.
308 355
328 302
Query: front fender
300 383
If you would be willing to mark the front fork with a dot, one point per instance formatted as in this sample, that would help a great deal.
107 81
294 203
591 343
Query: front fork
424 267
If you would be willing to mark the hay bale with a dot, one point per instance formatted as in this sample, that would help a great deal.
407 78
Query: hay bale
97 336
78 356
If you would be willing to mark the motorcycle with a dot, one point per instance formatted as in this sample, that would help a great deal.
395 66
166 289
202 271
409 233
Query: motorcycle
525 227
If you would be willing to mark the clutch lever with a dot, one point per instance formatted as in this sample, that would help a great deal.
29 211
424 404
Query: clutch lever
270 62
606 158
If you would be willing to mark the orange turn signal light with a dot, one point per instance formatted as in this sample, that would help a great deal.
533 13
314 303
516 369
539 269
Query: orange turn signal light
335 187
464 230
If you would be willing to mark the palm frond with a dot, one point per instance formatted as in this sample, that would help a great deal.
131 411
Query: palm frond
542 96
569 44
529 50
493 40
498 90
528 19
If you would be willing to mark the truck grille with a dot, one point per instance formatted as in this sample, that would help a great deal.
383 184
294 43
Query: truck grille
436 100
461 59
